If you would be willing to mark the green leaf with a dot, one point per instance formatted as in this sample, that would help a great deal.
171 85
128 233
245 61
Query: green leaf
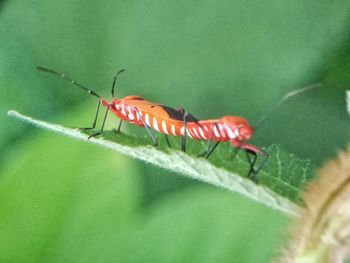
52 182
347 98
67 200
281 180
198 225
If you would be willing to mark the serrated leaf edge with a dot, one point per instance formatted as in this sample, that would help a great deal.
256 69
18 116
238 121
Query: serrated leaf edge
180 162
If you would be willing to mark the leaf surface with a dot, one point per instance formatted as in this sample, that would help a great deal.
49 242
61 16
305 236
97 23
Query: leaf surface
280 181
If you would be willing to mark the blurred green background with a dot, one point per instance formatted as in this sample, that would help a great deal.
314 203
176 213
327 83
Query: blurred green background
68 201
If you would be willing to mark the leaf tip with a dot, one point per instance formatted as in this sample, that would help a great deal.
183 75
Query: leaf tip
12 113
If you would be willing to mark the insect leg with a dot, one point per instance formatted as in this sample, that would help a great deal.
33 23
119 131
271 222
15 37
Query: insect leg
95 120
207 150
210 150
255 151
119 126
253 172
103 124
155 141
167 140
183 142
258 169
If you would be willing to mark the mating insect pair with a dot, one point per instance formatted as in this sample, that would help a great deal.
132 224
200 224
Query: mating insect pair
178 122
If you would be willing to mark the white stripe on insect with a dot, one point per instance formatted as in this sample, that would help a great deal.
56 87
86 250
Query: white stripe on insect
131 116
173 130
165 129
182 130
221 129
202 133
237 132
155 124
138 114
123 110
216 133
195 132
147 119
188 133
231 134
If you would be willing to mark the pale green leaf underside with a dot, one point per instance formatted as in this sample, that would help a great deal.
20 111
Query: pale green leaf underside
177 161
348 101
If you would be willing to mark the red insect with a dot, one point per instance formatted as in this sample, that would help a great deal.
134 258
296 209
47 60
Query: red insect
166 120
177 122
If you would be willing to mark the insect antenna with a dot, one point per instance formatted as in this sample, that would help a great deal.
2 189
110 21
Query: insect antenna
63 76
115 80
284 98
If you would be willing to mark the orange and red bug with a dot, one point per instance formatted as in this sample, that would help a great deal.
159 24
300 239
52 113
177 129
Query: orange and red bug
169 121
177 122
